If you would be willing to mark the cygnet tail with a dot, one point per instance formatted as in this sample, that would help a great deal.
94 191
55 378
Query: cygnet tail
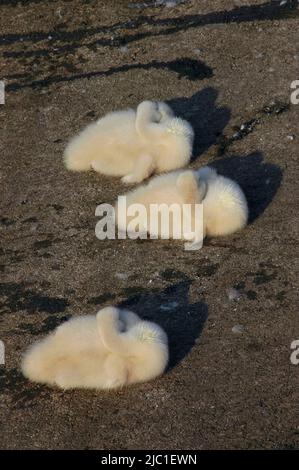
39 362
82 149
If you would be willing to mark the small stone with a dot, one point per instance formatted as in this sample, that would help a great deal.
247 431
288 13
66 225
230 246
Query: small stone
290 137
34 227
239 329
233 294
172 3
46 110
124 49
155 277
72 232
169 306
122 276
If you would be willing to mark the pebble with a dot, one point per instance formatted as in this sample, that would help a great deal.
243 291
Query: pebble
169 306
72 232
238 329
156 3
34 227
233 294
172 3
124 49
122 276
290 137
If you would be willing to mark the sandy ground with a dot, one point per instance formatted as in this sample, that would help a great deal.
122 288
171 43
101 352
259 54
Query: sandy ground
226 66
